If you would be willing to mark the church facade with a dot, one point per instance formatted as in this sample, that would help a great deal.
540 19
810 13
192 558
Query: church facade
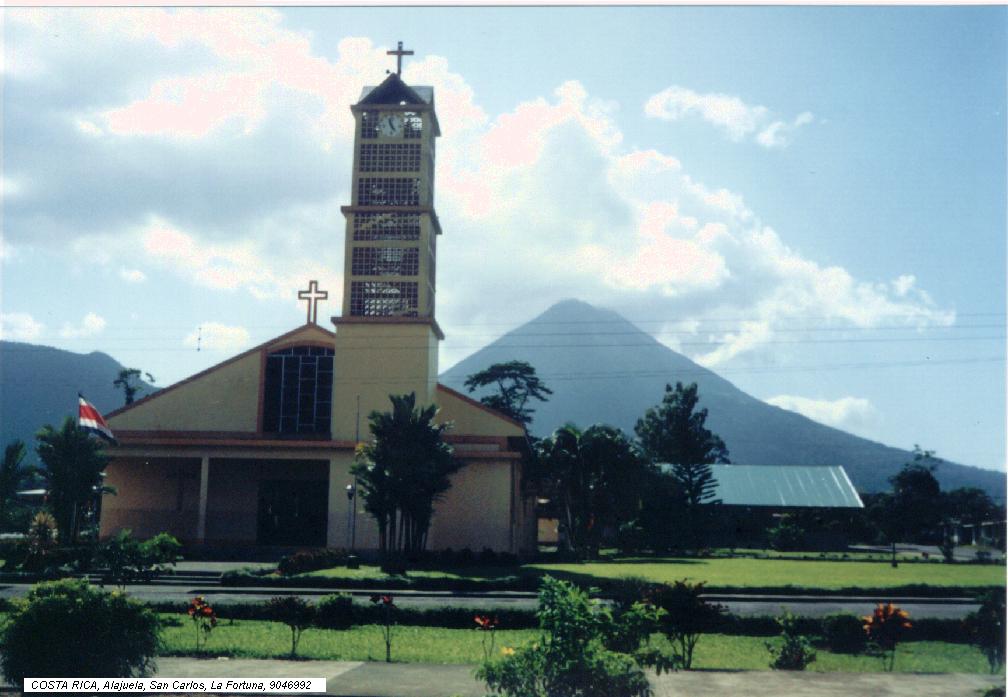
257 450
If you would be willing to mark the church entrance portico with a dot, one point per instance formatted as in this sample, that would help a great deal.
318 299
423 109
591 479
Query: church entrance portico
209 498
267 502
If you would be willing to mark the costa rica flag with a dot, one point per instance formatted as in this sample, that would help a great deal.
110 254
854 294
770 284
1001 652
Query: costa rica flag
91 420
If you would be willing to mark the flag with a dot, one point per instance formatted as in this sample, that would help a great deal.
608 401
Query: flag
91 420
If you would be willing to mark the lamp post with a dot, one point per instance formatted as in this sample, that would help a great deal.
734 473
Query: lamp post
350 491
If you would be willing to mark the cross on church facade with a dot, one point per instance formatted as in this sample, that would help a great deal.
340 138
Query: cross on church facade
399 53
313 295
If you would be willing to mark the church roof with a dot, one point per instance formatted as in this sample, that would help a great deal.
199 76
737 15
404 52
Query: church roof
285 337
394 91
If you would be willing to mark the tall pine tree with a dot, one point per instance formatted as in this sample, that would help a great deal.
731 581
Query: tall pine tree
673 434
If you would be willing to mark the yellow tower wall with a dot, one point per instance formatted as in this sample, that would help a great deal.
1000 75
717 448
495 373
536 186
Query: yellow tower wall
375 359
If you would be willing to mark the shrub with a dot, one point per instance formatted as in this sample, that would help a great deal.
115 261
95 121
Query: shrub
311 560
686 616
128 560
486 626
570 657
294 611
335 611
844 633
986 628
70 629
40 542
885 627
786 536
204 619
387 604
795 652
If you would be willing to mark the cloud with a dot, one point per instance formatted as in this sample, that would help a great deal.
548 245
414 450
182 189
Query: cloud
272 262
132 275
91 325
854 414
737 119
19 326
220 155
213 336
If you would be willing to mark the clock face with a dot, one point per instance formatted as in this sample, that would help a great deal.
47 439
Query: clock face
390 125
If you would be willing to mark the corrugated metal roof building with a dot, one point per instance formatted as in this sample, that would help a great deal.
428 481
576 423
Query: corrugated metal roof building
779 486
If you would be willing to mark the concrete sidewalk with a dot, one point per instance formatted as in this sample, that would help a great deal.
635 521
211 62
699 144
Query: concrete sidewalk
366 679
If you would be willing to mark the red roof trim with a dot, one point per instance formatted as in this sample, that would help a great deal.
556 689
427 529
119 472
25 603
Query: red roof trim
126 442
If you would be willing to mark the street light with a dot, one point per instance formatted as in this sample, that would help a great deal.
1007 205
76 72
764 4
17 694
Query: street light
350 491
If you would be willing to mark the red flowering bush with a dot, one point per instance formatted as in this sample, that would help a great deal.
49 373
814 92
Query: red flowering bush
885 628
204 619
486 625
389 606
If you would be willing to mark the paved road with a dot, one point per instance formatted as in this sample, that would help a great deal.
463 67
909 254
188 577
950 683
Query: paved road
741 605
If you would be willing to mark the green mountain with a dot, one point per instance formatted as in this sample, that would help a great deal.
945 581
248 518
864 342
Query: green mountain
39 385
603 369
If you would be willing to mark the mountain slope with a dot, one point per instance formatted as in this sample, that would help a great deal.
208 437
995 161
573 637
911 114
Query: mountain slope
39 385
603 369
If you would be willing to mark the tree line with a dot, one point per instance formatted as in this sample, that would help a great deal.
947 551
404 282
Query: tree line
653 492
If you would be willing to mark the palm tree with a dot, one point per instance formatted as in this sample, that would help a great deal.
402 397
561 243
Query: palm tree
402 472
72 465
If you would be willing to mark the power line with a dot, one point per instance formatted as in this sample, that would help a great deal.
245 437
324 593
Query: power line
507 343
663 374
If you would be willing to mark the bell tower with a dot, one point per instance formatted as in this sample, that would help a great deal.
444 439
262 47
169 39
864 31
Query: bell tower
387 337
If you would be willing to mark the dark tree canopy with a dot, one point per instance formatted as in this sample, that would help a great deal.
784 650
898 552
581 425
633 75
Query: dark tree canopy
72 466
593 478
11 474
916 498
970 505
516 383
674 434
129 382
402 472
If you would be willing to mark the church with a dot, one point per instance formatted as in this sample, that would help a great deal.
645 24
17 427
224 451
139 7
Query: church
257 450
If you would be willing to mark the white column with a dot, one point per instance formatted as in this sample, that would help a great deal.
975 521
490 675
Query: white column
335 523
204 481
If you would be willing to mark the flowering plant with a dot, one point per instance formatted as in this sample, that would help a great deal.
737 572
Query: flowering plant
884 628
204 619
386 602
486 624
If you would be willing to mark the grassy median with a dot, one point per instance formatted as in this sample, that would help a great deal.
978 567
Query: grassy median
739 572
261 639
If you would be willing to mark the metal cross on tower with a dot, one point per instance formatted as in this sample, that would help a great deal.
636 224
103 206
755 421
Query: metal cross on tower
399 53
313 295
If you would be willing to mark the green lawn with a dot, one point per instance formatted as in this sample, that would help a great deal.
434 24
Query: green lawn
746 572
410 644
742 572
259 639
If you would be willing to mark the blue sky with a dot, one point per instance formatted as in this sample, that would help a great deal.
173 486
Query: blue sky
808 200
